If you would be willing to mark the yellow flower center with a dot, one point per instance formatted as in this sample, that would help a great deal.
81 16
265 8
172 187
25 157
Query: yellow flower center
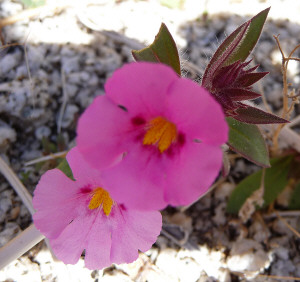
101 198
160 132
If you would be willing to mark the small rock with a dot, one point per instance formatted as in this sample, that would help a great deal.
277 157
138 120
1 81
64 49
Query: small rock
69 115
70 64
5 205
279 227
42 131
8 62
133 269
14 213
224 190
282 253
10 231
7 136
259 232
71 90
283 268
243 258
219 218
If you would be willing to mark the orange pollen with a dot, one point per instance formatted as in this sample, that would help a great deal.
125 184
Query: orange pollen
101 198
160 132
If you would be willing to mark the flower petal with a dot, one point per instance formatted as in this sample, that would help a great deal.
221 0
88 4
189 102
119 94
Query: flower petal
196 113
141 87
137 181
98 249
70 244
83 173
192 172
101 133
54 196
135 230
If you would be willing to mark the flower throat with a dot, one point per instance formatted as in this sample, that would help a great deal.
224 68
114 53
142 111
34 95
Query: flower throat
101 198
160 132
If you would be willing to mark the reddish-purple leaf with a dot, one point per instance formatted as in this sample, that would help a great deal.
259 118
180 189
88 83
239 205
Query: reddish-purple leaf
241 94
248 79
227 75
223 53
257 116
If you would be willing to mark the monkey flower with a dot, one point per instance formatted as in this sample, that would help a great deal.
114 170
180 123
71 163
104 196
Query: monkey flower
81 215
159 136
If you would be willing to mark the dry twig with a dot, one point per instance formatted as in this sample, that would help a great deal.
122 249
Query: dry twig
17 185
19 245
286 111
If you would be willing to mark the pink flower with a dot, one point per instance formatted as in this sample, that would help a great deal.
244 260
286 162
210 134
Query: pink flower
81 215
158 135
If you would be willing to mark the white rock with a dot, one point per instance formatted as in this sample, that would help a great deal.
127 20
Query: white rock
10 231
219 217
21 270
71 90
210 261
69 115
70 64
8 62
243 258
259 231
224 190
178 267
7 135
42 131
282 253
133 269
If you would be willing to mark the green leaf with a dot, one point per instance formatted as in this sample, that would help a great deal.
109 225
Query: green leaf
276 179
246 139
243 191
162 50
65 168
295 198
250 39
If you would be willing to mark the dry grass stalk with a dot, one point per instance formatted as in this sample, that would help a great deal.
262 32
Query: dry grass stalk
17 185
287 110
19 245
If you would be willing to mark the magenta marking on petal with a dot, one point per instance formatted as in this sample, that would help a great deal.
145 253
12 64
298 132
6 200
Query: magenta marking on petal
138 121
180 139
85 190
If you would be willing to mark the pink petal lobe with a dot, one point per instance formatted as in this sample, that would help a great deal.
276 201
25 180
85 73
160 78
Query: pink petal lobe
54 196
137 181
98 248
70 244
192 172
196 113
101 133
134 231
141 87
83 173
